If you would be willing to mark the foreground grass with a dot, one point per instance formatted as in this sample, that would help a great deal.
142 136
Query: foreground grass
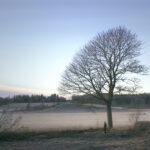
89 139
23 135
26 134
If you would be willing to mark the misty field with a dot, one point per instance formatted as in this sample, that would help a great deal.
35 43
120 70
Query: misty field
55 126
61 116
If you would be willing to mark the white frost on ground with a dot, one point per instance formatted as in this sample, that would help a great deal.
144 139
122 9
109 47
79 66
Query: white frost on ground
72 116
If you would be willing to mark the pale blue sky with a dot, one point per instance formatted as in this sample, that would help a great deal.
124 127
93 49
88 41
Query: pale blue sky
38 38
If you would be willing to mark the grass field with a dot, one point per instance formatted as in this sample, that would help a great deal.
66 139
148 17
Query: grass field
69 116
90 139
74 127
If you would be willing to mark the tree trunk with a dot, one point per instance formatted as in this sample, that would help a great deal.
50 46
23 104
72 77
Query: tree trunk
109 115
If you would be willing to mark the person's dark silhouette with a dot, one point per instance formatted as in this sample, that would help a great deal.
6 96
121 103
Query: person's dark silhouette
105 127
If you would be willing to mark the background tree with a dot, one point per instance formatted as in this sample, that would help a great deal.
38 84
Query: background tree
102 65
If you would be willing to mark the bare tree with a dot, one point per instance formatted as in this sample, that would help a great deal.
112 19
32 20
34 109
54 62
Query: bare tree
102 64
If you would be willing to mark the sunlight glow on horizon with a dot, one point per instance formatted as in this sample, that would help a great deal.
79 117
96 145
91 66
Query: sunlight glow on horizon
17 91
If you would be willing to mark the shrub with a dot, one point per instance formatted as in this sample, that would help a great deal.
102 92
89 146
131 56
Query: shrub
8 122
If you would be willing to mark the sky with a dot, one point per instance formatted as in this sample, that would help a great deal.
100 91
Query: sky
39 38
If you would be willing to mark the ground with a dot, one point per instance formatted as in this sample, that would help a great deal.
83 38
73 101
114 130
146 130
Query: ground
91 139
122 138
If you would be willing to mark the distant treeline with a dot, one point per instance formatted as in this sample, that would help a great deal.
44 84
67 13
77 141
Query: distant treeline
132 99
32 99
119 100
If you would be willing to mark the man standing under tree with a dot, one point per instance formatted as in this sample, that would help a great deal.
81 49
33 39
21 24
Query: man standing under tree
102 65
